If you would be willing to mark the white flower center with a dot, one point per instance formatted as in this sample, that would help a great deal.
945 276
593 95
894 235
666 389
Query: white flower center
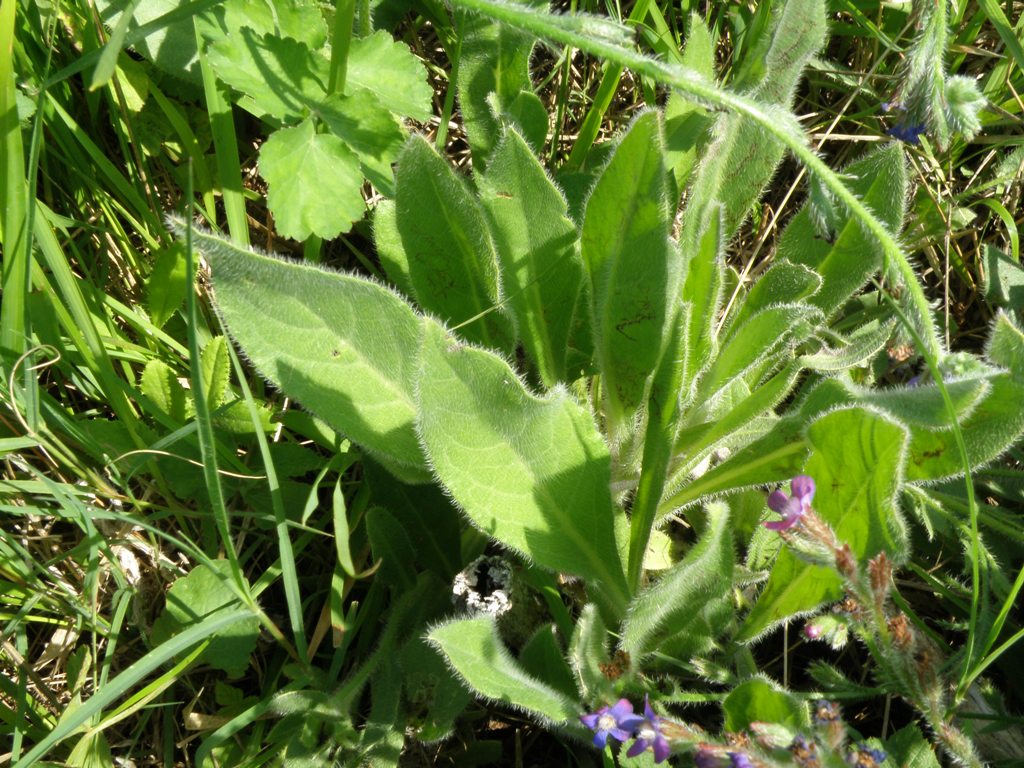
606 722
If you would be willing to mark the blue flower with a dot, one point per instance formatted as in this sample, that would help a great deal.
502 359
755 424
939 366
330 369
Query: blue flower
617 721
793 507
911 134
649 736
864 756
739 760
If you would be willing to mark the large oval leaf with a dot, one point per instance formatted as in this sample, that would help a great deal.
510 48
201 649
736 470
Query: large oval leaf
531 472
344 347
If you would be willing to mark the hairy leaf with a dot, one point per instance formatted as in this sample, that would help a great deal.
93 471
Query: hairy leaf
474 651
542 273
532 472
344 347
632 267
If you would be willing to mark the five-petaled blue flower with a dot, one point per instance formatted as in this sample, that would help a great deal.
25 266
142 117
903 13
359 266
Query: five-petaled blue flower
649 736
793 507
617 721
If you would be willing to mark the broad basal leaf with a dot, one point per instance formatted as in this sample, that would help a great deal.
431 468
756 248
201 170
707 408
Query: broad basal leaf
344 347
856 462
453 268
495 60
475 652
315 182
532 472
541 271
633 269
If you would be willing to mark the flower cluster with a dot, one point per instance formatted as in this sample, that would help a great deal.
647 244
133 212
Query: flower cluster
620 723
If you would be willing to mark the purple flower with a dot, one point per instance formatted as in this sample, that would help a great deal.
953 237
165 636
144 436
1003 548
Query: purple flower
793 507
739 760
617 721
649 736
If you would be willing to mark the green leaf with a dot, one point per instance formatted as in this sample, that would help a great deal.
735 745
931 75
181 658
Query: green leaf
527 115
923 405
300 20
783 283
433 696
299 166
531 472
160 384
453 267
763 398
759 700
541 270
369 129
195 598
542 657
346 348
675 602
856 462
909 748
215 365
856 349
847 261
495 58
282 76
632 266
743 156
389 246
392 547
702 291
765 334
588 652
686 122
475 652
391 72
426 515
1003 279
991 428
167 284
775 457
1006 345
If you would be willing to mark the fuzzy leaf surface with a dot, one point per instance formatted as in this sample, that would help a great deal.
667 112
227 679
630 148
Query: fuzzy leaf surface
344 347
531 472
847 260
632 266
541 270
674 602
453 267
481 659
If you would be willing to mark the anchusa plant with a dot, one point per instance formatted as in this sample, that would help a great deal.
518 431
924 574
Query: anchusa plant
561 361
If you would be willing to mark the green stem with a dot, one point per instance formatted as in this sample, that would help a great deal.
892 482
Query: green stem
341 39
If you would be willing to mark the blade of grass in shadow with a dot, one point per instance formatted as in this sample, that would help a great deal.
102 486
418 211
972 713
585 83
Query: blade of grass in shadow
208 447
108 54
293 596
121 684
